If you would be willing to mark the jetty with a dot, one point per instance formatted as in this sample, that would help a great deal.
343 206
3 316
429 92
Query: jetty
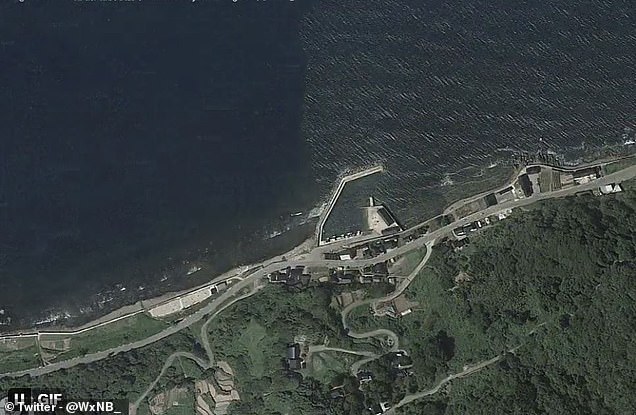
379 168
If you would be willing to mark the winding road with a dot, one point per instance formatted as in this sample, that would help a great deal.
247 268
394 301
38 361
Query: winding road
395 341
206 345
315 258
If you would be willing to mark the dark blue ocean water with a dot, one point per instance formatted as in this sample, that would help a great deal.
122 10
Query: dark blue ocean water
139 138
137 135
432 87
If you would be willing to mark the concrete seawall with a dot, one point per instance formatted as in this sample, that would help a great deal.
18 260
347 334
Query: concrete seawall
336 194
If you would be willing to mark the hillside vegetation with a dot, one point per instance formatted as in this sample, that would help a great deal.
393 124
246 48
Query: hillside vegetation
567 269
551 290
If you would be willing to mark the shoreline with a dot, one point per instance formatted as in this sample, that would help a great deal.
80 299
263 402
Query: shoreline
144 305
254 280
141 306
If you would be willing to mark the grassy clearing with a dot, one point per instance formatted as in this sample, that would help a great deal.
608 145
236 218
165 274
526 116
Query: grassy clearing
325 366
144 409
619 165
252 339
629 184
182 403
105 337
409 262
195 329
18 354
190 369
16 343
414 257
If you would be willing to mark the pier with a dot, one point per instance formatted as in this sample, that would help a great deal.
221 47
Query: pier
336 194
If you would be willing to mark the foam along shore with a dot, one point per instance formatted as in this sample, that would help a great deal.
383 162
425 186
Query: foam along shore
160 303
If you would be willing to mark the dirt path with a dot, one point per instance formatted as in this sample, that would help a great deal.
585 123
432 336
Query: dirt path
202 363
468 370
322 348
206 345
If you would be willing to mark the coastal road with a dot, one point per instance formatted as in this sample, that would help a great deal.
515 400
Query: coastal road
617 177
313 259
225 300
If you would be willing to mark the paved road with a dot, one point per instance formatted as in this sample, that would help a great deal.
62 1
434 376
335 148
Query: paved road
399 290
206 344
620 176
395 341
215 307
314 257
202 363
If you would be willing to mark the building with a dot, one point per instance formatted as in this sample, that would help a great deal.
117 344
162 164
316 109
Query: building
401 360
376 248
459 244
386 216
332 256
504 214
401 306
290 276
390 244
277 277
459 232
586 175
505 195
294 361
364 376
343 276
380 408
381 269
391 230
526 185
610 188
467 229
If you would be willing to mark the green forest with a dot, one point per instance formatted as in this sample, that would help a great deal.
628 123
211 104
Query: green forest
551 289
558 280
123 376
